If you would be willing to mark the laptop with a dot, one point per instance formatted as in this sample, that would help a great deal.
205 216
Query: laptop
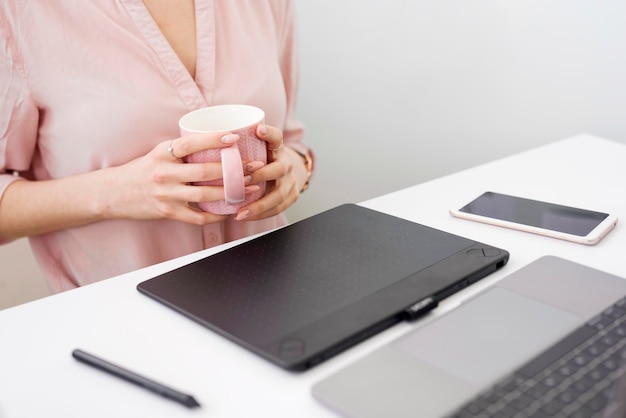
303 293
516 349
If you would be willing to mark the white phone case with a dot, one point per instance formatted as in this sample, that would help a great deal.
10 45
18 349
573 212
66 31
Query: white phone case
591 238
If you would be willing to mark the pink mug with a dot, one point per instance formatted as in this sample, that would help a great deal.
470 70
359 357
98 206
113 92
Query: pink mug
238 119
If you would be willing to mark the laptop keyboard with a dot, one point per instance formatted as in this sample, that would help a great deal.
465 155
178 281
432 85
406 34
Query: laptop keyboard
574 378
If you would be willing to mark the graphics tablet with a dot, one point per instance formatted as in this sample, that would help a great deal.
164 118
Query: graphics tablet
303 293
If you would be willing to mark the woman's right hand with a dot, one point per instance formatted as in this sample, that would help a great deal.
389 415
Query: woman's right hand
158 185
154 186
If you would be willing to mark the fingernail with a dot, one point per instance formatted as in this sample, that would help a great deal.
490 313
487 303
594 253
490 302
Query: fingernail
243 215
230 138
253 188
262 130
247 179
254 165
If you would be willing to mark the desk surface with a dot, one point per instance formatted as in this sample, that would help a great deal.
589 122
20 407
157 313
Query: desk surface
39 378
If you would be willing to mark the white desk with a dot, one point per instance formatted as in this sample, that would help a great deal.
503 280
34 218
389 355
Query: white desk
39 378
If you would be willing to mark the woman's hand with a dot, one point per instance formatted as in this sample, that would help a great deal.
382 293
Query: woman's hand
158 185
285 174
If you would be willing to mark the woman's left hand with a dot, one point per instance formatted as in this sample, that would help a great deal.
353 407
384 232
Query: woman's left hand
285 173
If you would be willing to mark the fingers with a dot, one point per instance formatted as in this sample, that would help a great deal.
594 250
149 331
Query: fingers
209 171
179 148
274 203
180 203
283 190
195 216
280 166
273 136
196 193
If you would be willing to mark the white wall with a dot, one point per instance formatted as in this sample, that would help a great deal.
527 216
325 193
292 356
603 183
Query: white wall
398 92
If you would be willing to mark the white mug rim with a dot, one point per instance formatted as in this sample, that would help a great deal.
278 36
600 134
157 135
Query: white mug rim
253 116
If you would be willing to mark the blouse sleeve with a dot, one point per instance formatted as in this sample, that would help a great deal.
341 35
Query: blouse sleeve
19 115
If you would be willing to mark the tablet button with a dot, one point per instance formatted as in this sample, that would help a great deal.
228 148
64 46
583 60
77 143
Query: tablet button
291 348
483 252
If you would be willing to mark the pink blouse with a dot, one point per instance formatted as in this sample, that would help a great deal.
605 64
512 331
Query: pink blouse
93 84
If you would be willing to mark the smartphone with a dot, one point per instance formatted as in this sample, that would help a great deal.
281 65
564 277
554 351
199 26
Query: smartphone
564 222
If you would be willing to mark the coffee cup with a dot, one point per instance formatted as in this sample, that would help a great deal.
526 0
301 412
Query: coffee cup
222 119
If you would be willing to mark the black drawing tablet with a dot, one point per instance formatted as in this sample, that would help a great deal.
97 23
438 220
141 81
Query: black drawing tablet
303 293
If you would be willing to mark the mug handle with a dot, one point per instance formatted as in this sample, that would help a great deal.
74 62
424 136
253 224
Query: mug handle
232 172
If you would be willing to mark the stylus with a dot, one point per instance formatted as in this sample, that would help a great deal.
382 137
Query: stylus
132 377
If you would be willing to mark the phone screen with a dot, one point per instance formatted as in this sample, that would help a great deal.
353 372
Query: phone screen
544 215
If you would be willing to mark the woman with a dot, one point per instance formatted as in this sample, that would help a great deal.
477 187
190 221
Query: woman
90 155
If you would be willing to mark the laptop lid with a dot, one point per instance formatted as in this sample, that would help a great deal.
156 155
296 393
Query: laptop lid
303 293
433 370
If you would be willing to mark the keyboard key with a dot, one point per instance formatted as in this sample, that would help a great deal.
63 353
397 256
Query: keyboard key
552 381
521 402
582 412
505 412
598 374
554 407
510 383
595 350
611 364
567 397
620 330
583 385
541 414
536 391
567 369
597 403
582 359
614 312
600 322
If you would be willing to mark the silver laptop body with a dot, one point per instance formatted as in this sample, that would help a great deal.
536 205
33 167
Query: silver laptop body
435 369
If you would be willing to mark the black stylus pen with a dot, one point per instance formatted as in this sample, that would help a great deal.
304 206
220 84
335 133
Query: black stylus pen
132 377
